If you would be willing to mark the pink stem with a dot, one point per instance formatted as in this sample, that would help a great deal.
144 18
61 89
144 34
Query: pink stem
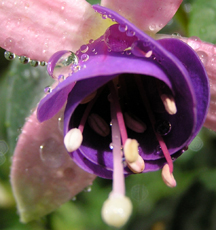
152 119
119 114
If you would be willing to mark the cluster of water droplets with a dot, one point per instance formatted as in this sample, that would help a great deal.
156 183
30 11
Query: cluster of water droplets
23 59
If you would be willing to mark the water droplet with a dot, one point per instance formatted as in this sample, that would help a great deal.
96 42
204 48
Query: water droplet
9 56
203 57
9 43
52 153
84 57
104 16
74 198
84 48
23 59
128 52
64 65
122 28
152 27
93 50
61 123
130 33
91 41
111 146
43 63
162 127
110 123
61 78
33 63
175 34
47 89
87 189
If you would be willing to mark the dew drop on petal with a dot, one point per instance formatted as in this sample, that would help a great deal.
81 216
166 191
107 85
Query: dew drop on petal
52 154
84 57
130 33
47 89
9 43
203 57
163 127
84 48
64 65
122 28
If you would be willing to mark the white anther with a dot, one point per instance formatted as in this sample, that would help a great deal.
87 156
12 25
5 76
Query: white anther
98 124
169 104
131 150
89 98
73 140
134 123
168 177
116 210
138 166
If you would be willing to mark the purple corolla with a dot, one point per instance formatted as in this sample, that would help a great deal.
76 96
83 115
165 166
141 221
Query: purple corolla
133 104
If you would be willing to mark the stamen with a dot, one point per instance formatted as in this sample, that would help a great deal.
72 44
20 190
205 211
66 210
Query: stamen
98 124
138 166
117 208
131 150
169 103
152 119
73 139
168 177
134 123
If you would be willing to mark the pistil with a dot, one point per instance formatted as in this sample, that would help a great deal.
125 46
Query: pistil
117 208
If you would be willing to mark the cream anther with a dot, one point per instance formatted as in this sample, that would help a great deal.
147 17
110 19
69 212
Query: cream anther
88 98
169 104
148 54
116 210
168 177
98 124
134 123
73 140
131 150
138 166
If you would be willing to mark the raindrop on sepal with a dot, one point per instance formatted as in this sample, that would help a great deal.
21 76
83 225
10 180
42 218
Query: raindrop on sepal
9 56
87 189
64 65
51 154
24 59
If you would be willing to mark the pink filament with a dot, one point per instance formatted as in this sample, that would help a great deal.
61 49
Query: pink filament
119 115
152 119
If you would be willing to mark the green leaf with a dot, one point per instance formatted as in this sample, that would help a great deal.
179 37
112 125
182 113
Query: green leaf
25 87
202 20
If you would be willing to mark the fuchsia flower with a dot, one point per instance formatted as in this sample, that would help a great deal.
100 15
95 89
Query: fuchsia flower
155 93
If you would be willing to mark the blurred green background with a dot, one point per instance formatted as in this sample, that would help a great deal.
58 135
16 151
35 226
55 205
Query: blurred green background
189 206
